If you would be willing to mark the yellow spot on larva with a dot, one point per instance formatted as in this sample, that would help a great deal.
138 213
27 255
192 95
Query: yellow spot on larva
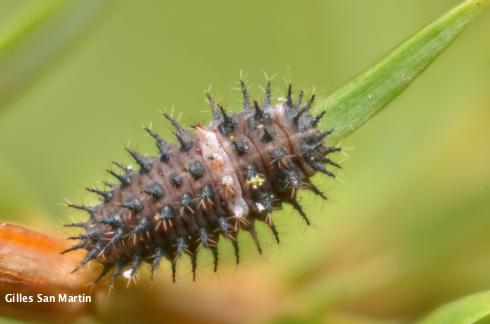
256 181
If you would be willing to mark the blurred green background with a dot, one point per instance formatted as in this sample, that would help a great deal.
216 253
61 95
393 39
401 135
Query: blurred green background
406 228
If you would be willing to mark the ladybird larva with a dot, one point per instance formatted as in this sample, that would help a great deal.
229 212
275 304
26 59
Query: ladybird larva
218 180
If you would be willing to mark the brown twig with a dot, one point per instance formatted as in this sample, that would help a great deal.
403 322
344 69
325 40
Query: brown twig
30 264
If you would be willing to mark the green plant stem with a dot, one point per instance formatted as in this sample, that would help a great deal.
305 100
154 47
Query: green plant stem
369 92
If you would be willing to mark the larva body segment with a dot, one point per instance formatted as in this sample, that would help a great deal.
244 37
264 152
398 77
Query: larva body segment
220 179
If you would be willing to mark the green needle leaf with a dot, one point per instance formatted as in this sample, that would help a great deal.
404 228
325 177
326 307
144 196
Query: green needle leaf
360 99
466 310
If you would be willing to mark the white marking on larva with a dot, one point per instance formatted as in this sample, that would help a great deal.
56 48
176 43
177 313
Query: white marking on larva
278 112
127 274
260 207
224 175
238 211
227 180
217 157
228 186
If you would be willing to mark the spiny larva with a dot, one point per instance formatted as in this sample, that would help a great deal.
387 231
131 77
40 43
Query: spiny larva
217 181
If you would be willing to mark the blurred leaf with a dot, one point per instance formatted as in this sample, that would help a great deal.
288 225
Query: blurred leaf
30 38
469 309
25 22
39 30
364 96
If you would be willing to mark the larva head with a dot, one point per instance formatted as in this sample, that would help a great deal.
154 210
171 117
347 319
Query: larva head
217 181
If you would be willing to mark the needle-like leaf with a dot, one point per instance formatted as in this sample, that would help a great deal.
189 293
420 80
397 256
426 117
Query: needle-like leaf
469 309
364 96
